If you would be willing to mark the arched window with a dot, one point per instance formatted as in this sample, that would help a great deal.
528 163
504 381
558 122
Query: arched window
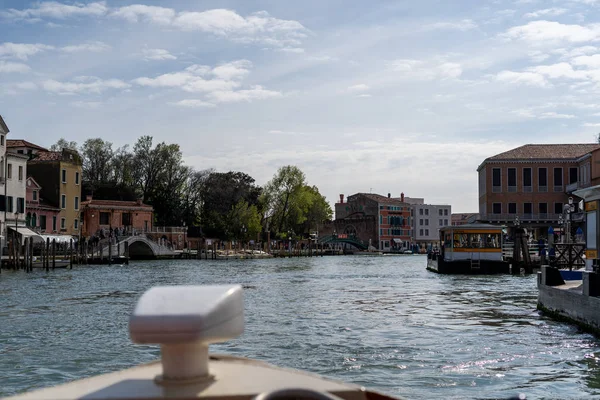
34 220
28 219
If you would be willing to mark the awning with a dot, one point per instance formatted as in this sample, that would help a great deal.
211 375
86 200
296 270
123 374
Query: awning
58 238
397 240
25 232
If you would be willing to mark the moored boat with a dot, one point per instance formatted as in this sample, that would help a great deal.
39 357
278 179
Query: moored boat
469 249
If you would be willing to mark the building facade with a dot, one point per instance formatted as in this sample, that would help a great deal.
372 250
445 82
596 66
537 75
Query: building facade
41 217
16 189
59 174
532 183
20 146
427 219
104 215
382 222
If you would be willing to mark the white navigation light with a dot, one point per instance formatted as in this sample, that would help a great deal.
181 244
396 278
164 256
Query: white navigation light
184 320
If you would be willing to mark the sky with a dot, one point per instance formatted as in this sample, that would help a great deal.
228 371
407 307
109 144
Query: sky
381 97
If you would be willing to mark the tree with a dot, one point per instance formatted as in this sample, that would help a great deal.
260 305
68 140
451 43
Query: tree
167 193
147 162
97 160
191 202
243 221
319 210
284 199
122 166
62 143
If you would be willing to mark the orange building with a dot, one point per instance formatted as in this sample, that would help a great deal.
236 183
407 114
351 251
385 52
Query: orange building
103 215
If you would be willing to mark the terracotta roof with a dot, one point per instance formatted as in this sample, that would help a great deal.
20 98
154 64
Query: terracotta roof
23 143
381 199
114 203
456 217
546 152
48 156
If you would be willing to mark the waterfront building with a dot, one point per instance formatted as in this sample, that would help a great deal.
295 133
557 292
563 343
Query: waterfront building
531 183
3 134
41 216
427 220
59 174
382 222
464 218
15 190
98 215
21 146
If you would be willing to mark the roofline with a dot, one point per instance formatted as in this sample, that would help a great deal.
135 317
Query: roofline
17 155
3 125
34 181
28 142
532 161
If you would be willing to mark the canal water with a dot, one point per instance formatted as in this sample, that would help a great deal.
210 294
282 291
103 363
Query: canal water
383 322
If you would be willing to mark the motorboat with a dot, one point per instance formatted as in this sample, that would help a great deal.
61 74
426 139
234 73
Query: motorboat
184 320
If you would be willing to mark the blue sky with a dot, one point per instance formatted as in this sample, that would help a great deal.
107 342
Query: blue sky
387 96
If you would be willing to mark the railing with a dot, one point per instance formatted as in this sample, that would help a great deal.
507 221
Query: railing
522 217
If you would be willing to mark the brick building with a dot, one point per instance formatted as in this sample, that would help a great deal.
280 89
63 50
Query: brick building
107 214
383 222
533 182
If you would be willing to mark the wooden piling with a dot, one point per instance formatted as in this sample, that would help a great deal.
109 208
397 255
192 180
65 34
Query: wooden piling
53 253
109 252
126 252
71 254
31 254
26 254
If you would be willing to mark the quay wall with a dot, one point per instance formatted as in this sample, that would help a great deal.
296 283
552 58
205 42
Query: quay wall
570 306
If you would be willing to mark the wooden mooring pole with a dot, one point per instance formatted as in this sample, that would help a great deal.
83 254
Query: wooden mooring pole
71 254
53 253
126 251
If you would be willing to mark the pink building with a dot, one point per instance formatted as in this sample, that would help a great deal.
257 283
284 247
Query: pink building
41 217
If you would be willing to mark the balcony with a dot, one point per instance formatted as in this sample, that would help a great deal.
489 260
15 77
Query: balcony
541 217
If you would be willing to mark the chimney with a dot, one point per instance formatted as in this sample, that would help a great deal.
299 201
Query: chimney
88 197
402 197
389 195
341 199
138 202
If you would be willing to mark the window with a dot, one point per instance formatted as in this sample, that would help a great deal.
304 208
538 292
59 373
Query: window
440 222
558 180
421 221
64 176
558 208
496 180
527 208
426 222
497 208
63 223
573 175
20 172
420 232
76 203
527 179
426 232
542 179
54 222
43 222
427 211
9 171
512 180
9 204
34 195
105 218
1 140
543 208
420 211
63 201
512 208
446 212
445 222
441 212
20 205
76 224
126 219
77 178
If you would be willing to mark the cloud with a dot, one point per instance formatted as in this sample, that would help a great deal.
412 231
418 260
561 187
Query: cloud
538 32
555 115
88 105
22 51
255 93
6 67
96 47
364 95
560 70
83 84
426 70
593 125
259 27
157 54
463 25
547 12
587 61
193 103
358 88
525 78
53 9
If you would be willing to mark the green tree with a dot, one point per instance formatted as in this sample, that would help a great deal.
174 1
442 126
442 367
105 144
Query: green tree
62 143
285 202
318 211
243 221
147 160
97 160
122 166
167 193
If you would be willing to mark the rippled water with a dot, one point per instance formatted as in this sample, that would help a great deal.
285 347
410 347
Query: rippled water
383 322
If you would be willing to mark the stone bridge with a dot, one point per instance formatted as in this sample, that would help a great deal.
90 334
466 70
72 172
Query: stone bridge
140 248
